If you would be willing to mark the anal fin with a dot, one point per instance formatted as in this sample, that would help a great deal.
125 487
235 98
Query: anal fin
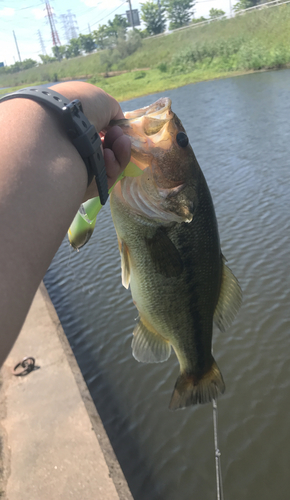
148 346
230 299
191 390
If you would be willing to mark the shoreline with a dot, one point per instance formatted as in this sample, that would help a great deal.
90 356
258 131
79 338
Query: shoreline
166 81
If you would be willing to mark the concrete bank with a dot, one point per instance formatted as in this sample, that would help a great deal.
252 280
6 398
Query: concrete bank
52 442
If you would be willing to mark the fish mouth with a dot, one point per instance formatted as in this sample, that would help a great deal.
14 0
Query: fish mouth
159 110
147 127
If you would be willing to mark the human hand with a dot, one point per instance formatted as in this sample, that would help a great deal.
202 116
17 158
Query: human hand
100 108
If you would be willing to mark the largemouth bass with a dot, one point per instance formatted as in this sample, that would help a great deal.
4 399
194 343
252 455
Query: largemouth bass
170 254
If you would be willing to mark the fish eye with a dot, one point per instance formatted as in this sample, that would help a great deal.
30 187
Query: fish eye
182 139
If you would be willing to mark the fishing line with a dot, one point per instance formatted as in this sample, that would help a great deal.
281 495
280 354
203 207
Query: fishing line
74 276
218 469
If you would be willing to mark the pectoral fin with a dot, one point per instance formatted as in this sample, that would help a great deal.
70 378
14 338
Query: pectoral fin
148 346
230 299
165 256
125 263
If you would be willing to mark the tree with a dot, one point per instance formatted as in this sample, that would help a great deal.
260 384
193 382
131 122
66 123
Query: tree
178 12
87 43
127 47
214 13
46 59
28 63
100 36
59 51
153 17
245 4
198 20
14 68
73 49
117 27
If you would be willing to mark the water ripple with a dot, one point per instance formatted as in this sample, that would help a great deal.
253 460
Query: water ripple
239 129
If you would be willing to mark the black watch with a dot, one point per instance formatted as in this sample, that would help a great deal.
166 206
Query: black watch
81 132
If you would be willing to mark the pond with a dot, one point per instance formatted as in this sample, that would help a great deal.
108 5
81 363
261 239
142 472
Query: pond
239 130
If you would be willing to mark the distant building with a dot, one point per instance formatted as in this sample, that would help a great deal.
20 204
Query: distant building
1 64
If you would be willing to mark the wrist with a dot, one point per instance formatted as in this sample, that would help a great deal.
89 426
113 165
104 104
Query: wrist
79 129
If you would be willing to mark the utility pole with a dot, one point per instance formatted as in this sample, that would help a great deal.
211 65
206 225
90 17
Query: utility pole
43 51
50 15
73 25
65 27
131 13
17 46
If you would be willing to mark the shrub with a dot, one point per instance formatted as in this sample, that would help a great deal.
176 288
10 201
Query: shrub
140 74
252 55
162 67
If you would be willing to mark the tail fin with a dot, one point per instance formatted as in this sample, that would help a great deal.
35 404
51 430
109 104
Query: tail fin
189 390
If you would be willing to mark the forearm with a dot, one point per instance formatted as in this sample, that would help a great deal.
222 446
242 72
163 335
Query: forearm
42 183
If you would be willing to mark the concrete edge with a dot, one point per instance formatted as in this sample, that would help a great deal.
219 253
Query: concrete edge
114 467
4 448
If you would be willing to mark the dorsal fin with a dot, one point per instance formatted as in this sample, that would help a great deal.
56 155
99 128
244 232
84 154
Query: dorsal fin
148 346
230 299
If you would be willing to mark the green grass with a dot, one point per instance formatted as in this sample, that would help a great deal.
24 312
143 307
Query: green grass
267 29
128 86
249 42
78 67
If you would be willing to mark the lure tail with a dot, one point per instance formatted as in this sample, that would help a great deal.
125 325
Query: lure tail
84 222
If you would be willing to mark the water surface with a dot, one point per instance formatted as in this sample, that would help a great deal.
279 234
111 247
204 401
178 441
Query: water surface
239 130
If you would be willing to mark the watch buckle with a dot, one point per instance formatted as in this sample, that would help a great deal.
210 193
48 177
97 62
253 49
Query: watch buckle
74 107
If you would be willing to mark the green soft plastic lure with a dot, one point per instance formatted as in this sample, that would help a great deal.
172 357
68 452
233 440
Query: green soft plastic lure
83 225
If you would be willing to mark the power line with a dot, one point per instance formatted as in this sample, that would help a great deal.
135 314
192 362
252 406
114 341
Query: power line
30 7
109 13
88 10
25 8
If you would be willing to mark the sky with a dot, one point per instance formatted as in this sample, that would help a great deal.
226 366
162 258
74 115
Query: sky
28 19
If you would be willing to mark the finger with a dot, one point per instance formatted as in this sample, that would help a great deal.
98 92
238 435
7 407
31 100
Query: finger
122 150
117 158
111 136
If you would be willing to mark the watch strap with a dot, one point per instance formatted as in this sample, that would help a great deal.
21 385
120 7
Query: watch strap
81 132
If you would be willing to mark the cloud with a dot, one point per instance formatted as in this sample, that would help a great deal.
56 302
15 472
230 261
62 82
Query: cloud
7 11
91 3
39 13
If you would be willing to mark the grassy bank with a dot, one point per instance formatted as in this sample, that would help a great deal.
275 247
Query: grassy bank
125 87
129 86
249 42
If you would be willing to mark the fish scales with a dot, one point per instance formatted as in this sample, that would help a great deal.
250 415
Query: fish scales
171 257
